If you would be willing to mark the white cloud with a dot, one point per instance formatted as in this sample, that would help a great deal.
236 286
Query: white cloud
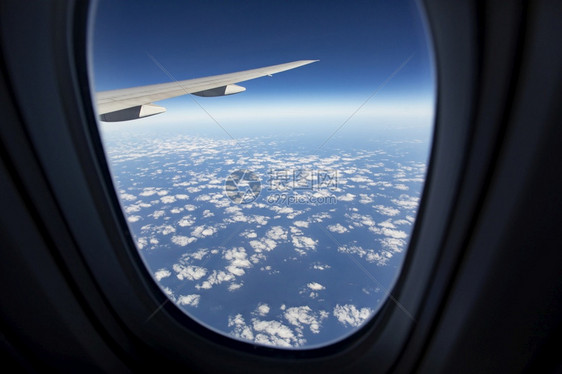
272 333
167 199
191 300
158 213
303 224
241 330
303 315
249 234
393 244
262 309
316 286
148 192
182 240
165 229
203 231
396 234
277 233
216 277
319 266
303 244
380 258
407 202
387 211
203 198
348 314
186 221
365 199
141 243
347 197
263 245
388 224
234 286
161 274
128 197
238 260
189 272
337 228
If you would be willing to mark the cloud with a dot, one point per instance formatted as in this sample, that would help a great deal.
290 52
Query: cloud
263 245
315 286
189 272
216 277
165 229
158 213
161 274
407 202
396 234
235 286
149 191
387 211
319 266
127 197
249 234
319 217
191 300
141 243
393 244
388 224
238 261
347 197
132 208
241 330
303 224
272 333
167 199
365 199
203 231
337 228
182 240
380 258
349 315
277 233
302 244
203 197
207 213
304 316
262 309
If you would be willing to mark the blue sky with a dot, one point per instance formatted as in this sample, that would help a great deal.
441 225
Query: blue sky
359 44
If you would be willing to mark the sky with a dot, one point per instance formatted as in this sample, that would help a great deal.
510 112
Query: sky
359 45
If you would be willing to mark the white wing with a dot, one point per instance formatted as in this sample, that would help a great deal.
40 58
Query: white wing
136 102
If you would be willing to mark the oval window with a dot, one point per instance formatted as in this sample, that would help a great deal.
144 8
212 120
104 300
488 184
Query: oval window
271 205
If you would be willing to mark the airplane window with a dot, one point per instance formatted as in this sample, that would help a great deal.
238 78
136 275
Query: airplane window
269 157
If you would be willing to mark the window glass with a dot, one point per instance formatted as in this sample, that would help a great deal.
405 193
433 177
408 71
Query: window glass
279 215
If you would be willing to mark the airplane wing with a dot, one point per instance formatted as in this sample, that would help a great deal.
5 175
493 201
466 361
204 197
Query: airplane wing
136 102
